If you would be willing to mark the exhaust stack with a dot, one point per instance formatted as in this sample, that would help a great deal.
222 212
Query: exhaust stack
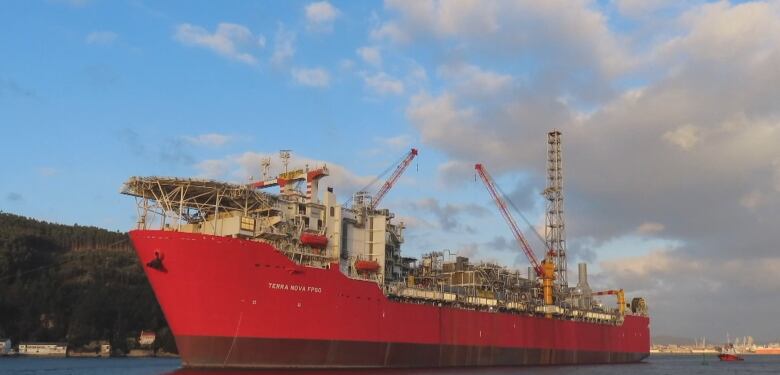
583 271
585 299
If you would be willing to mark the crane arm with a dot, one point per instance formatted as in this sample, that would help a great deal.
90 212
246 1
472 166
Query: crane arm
504 209
393 178
607 292
621 298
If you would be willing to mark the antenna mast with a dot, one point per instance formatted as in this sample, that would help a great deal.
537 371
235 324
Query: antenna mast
285 156
265 165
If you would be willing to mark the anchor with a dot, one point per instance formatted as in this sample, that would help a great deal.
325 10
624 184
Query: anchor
157 262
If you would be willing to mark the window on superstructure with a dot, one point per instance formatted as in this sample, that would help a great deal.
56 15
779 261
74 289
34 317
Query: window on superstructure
332 211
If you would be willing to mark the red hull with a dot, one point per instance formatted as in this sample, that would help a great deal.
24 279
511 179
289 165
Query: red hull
729 357
238 303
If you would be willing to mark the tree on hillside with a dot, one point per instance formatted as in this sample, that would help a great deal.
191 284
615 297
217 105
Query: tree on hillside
72 283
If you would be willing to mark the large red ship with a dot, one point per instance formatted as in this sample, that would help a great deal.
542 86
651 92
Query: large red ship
248 279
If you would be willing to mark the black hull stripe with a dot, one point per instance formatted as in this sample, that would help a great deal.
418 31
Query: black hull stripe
224 352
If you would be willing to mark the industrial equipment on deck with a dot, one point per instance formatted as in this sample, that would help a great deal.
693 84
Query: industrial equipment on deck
364 241
248 279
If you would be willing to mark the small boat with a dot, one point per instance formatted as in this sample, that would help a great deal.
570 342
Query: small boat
729 354
728 357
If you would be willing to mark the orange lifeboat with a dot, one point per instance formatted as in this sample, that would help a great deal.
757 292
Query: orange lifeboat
366 266
316 241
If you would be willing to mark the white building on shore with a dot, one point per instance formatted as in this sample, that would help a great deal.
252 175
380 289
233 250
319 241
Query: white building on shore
5 346
146 338
51 349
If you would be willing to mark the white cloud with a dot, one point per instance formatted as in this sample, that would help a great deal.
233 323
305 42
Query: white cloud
453 173
685 137
210 139
101 37
639 8
315 77
470 79
284 46
448 215
776 165
214 168
381 83
320 15
241 167
397 142
370 55
441 18
229 40
389 31
444 124
414 223
649 228
670 279
390 145
751 200
693 145
750 30
566 35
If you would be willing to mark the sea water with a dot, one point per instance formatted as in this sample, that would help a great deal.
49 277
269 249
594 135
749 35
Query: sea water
656 364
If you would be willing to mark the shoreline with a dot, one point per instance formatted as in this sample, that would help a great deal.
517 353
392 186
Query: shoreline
708 353
86 355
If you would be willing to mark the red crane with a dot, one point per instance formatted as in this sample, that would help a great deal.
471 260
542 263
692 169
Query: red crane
502 206
393 178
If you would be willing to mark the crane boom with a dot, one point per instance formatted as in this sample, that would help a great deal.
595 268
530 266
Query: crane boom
621 298
504 209
393 178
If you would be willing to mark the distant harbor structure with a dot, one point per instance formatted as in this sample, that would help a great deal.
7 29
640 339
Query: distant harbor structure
95 348
770 349
146 338
49 349
105 350
5 346
743 345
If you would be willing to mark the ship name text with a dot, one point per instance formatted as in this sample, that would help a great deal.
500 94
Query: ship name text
295 288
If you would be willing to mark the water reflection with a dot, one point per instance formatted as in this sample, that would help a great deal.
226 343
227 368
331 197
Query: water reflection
458 371
491 371
555 370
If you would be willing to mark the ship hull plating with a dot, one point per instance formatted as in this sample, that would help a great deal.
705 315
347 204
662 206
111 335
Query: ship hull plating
233 303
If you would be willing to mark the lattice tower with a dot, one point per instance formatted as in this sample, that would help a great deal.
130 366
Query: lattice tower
555 227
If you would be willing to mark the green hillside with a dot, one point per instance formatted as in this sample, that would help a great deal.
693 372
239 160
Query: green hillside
75 284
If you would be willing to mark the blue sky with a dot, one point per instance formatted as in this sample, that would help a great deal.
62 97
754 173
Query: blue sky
669 112
93 113
102 91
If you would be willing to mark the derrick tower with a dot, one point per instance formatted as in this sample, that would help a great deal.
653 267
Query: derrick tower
555 228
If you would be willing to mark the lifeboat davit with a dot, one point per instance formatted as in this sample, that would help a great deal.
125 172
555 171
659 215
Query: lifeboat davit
316 241
367 266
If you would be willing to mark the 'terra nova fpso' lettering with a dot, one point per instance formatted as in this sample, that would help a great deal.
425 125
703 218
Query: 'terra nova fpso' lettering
295 288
